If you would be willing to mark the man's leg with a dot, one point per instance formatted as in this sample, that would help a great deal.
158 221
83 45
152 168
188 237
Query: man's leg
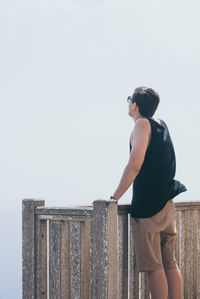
175 283
158 284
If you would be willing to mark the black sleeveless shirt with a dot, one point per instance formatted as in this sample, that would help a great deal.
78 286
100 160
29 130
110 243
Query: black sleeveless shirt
155 184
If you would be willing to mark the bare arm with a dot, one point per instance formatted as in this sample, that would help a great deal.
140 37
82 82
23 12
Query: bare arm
141 134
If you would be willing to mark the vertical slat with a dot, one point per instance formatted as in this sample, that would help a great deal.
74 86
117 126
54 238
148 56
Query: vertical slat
28 247
194 231
190 242
54 259
177 243
85 259
65 259
182 245
75 260
48 259
41 258
134 274
122 256
187 252
59 259
112 218
145 292
198 255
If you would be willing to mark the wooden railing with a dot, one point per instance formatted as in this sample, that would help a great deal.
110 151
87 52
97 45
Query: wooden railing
87 252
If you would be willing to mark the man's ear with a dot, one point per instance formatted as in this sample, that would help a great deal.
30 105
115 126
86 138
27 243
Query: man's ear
136 106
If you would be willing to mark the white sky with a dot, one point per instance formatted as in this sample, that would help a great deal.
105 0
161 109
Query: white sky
66 69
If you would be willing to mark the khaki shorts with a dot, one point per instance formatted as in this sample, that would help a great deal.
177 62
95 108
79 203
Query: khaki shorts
154 240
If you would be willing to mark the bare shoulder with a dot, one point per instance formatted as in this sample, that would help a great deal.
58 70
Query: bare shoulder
142 123
142 126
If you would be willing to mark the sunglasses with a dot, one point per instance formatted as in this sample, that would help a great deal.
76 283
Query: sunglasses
129 99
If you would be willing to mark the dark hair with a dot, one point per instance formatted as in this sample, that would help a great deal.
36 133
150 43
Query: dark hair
147 100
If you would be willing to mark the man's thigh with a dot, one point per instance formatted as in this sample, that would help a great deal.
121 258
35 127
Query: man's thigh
154 240
168 242
147 247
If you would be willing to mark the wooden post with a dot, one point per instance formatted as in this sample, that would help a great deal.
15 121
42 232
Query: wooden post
104 250
28 247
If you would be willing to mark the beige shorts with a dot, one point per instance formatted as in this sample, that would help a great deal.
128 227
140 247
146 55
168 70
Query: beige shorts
154 240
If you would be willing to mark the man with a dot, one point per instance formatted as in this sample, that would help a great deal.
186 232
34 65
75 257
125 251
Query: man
151 168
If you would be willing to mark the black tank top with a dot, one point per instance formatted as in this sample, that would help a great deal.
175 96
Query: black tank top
155 184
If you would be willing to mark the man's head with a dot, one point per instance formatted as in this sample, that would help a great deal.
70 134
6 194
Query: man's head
146 99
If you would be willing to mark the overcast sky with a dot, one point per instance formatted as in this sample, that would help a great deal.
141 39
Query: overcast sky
66 69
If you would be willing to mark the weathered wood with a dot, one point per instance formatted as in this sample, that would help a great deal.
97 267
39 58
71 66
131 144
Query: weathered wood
122 256
190 274
186 258
123 208
104 250
69 264
66 218
85 259
59 260
28 247
134 274
41 258
190 247
187 250
64 211
194 283
54 259
88 251
112 249
177 242
184 205
197 261
145 292
65 259
75 253
182 245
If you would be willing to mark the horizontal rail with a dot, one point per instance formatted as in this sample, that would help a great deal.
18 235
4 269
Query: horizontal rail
184 205
87 211
187 204
73 211
74 218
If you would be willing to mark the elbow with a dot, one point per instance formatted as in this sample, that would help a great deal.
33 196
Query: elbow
134 168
